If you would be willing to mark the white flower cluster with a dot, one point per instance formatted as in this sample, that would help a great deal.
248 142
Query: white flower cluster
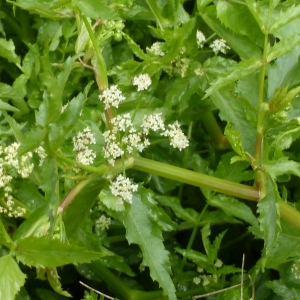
200 38
207 279
219 46
81 141
129 141
40 151
9 159
112 96
103 223
296 269
123 188
181 66
177 137
143 81
156 49
125 138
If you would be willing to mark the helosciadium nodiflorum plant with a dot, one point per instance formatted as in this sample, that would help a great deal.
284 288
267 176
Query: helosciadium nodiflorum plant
12 165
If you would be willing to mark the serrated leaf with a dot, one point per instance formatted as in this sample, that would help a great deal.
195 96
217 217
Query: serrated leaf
53 279
259 13
242 45
15 127
234 172
234 73
7 50
285 71
11 278
234 207
136 48
111 201
281 289
238 19
205 233
140 230
282 47
45 252
189 215
269 217
232 110
281 166
283 18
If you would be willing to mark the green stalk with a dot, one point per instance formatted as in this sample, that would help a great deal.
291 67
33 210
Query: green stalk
261 108
196 179
289 214
192 237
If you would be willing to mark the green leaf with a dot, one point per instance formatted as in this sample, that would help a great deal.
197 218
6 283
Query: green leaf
283 290
7 50
281 166
53 279
96 10
269 217
187 214
258 11
232 110
136 48
45 252
68 119
213 254
234 172
82 198
205 233
284 71
234 73
11 278
285 17
234 207
140 230
238 18
7 92
6 106
242 45
15 127
282 47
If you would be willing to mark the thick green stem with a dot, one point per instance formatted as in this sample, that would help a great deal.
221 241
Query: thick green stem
289 214
196 179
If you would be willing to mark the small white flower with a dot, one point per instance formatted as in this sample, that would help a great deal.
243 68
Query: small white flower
196 280
153 122
205 280
177 137
40 151
103 223
112 96
199 72
219 45
156 49
199 270
218 263
200 39
123 188
143 81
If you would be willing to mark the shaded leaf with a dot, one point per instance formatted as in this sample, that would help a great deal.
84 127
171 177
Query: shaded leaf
45 252
140 230
11 278
269 217
4 237
7 50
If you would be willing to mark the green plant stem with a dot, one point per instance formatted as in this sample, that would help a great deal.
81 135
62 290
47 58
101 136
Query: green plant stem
260 107
192 237
196 179
101 70
289 214
213 129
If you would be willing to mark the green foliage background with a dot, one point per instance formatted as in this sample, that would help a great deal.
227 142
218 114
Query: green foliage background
239 109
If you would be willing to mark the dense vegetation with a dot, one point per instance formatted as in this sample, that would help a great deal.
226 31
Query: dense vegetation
149 149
